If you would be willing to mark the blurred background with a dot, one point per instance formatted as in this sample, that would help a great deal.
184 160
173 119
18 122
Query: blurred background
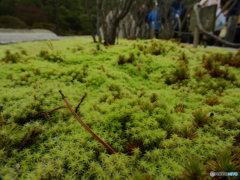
64 17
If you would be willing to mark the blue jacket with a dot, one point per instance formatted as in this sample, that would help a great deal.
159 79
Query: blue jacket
151 19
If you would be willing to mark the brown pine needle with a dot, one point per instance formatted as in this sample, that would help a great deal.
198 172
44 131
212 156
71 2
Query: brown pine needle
85 126
82 99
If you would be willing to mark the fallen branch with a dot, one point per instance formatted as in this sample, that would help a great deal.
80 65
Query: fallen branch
85 126
47 114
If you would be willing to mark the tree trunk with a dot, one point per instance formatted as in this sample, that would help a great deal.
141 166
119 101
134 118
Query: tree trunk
124 31
57 29
91 21
110 35
103 23
98 22
93 36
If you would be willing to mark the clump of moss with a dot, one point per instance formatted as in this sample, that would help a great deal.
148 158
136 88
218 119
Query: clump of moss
121 59
194 169
188 132
223 59
225 161
140 47
236 61
78 48
200 72
103 97
153 97
116 89
54 57
11 57
24 52
173 40
200 118
157 49
44 54
180 73
179 108
183 57
147 106
214 69
212 101
208 64
98 47
131 58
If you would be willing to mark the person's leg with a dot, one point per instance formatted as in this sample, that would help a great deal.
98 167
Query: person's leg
237 36
216 33
146 30
175 36
156 34
140 32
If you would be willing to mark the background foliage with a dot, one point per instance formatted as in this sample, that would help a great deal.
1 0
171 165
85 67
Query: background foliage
70 15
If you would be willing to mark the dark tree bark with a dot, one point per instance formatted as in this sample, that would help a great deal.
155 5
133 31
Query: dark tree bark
91 21
104 24
110 35
56 19
98 21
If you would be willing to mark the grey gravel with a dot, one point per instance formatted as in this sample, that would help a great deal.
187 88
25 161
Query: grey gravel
8 36
227 48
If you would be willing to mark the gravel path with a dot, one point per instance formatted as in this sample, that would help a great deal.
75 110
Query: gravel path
227 48
8 36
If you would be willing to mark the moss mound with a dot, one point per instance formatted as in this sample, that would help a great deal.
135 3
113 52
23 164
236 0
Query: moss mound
166 109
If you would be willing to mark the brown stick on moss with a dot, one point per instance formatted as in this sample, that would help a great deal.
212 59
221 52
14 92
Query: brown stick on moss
85 126
82 99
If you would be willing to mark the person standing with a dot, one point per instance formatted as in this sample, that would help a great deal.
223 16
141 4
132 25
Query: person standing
176 14
140 16
179 8
220 22
146 14
154 20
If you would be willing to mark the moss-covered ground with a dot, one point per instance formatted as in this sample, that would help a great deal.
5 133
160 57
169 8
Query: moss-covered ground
155 95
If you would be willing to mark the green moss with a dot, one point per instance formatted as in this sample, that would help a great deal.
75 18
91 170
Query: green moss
42 140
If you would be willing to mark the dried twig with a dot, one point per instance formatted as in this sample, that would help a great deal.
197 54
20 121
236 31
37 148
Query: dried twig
85 126
82 99
47 114
48 117
74 173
